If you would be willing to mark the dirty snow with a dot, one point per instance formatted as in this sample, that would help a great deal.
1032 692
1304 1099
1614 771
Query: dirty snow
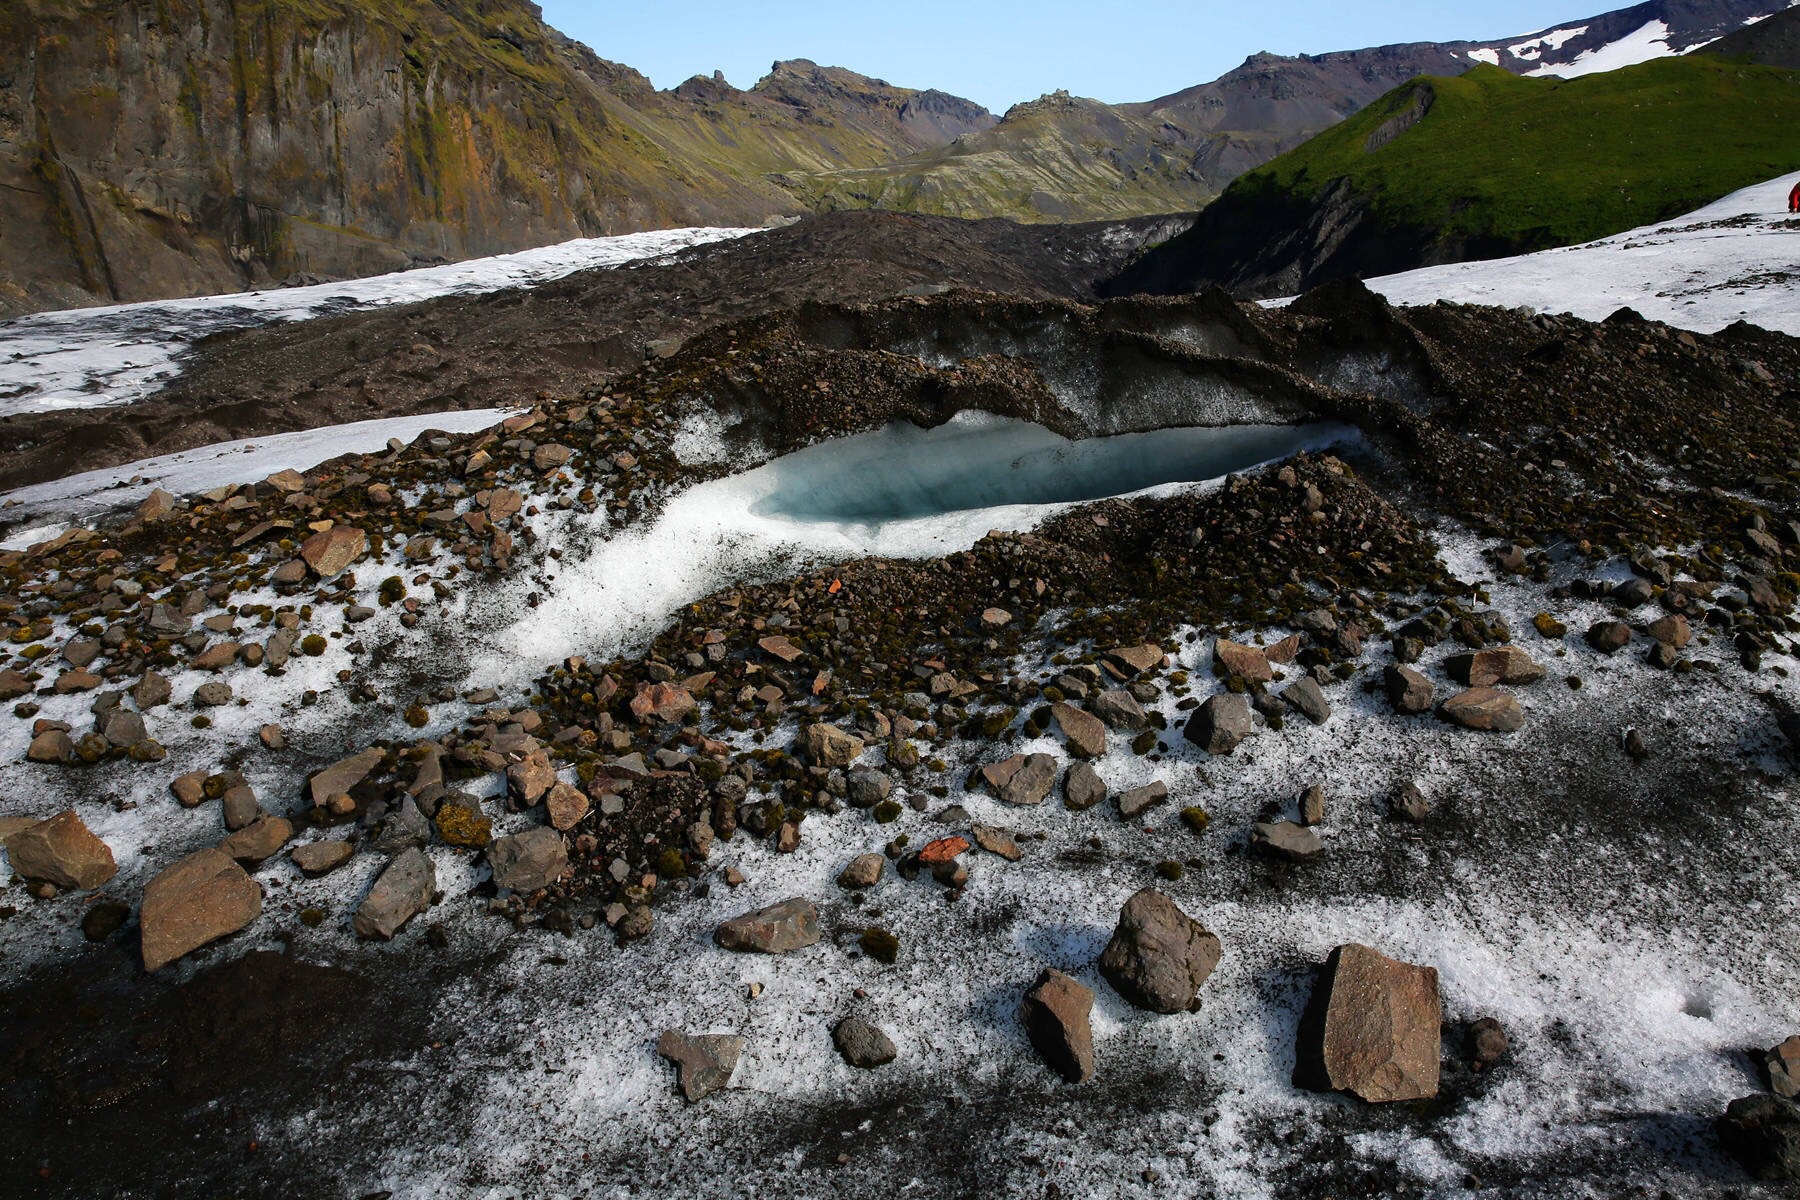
95 357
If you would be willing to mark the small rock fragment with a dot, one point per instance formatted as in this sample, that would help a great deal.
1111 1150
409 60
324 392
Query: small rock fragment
703 1062
1082 787
1285 840
862 1044
528 861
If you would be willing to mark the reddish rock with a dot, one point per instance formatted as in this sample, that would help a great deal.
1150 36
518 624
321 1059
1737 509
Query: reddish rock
330 552
1672 630
1085 733
1056 1015
62 851
1235 658
531 778
779 647
662 702
1499 665
195 900
1407 690
1371 1028
943 850
1485 709
566 805
1021 779
258 840
321 858
341 776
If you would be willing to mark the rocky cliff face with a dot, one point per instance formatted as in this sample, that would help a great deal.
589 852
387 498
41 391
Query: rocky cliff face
153 148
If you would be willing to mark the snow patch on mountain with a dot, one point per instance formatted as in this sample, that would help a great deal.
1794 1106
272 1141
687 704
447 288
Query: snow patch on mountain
1735 260
1536 46
1648 41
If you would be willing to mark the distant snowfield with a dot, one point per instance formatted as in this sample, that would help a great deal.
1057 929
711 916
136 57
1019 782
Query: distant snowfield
1734 260
96 357
1649 41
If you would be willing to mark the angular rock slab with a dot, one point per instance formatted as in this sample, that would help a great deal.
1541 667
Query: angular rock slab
342 775
1783 1063
1488 668
1083 731
1487 710
1022 779
1407 690
790 925
1082 787
62 851
528 861
193 901
703 1062
1220 725
1056 1012
1371 1028
403 891
829 746
1159 956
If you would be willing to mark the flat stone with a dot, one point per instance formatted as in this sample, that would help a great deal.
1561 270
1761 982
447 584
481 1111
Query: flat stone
863 872
1486 709
997 841
862 1044
1407 690
777 646
1084 732
1498 665
703 1062
1056 1014
1158 955
1235 658
528 861
1135 660
260 839
321 858
212 695
566 805
829 746
330 552
62 851
1119 709
1022 779
1140 799
1307 698
777 929
1220 725
942 850
195 900
1082 787
403 891
1285 840
667 702
341 776
1371 1028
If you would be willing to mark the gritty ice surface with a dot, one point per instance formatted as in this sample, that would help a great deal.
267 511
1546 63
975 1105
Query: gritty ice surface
95 357
37 513
1735 260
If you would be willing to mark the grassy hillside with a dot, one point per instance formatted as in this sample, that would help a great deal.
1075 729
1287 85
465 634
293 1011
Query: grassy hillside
1540 162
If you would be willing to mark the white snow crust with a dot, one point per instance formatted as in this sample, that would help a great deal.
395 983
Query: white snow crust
1648 41
1735 260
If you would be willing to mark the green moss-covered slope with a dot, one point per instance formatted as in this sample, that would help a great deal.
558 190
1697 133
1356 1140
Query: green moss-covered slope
1486 164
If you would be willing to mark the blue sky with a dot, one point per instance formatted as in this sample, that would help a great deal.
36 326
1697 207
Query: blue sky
998 53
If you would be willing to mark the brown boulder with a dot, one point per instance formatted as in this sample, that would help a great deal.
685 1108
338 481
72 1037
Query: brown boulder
341 776
1371 1028
1159 956
829 746
1085 733
1485 709
1056 1012
566 805
330 552
1021 779
62 851
258 840
1235 658
1407 690
703 1062
662 702
193 901
1498 665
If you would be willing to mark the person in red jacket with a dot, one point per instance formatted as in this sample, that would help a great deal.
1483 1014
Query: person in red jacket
1794 199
